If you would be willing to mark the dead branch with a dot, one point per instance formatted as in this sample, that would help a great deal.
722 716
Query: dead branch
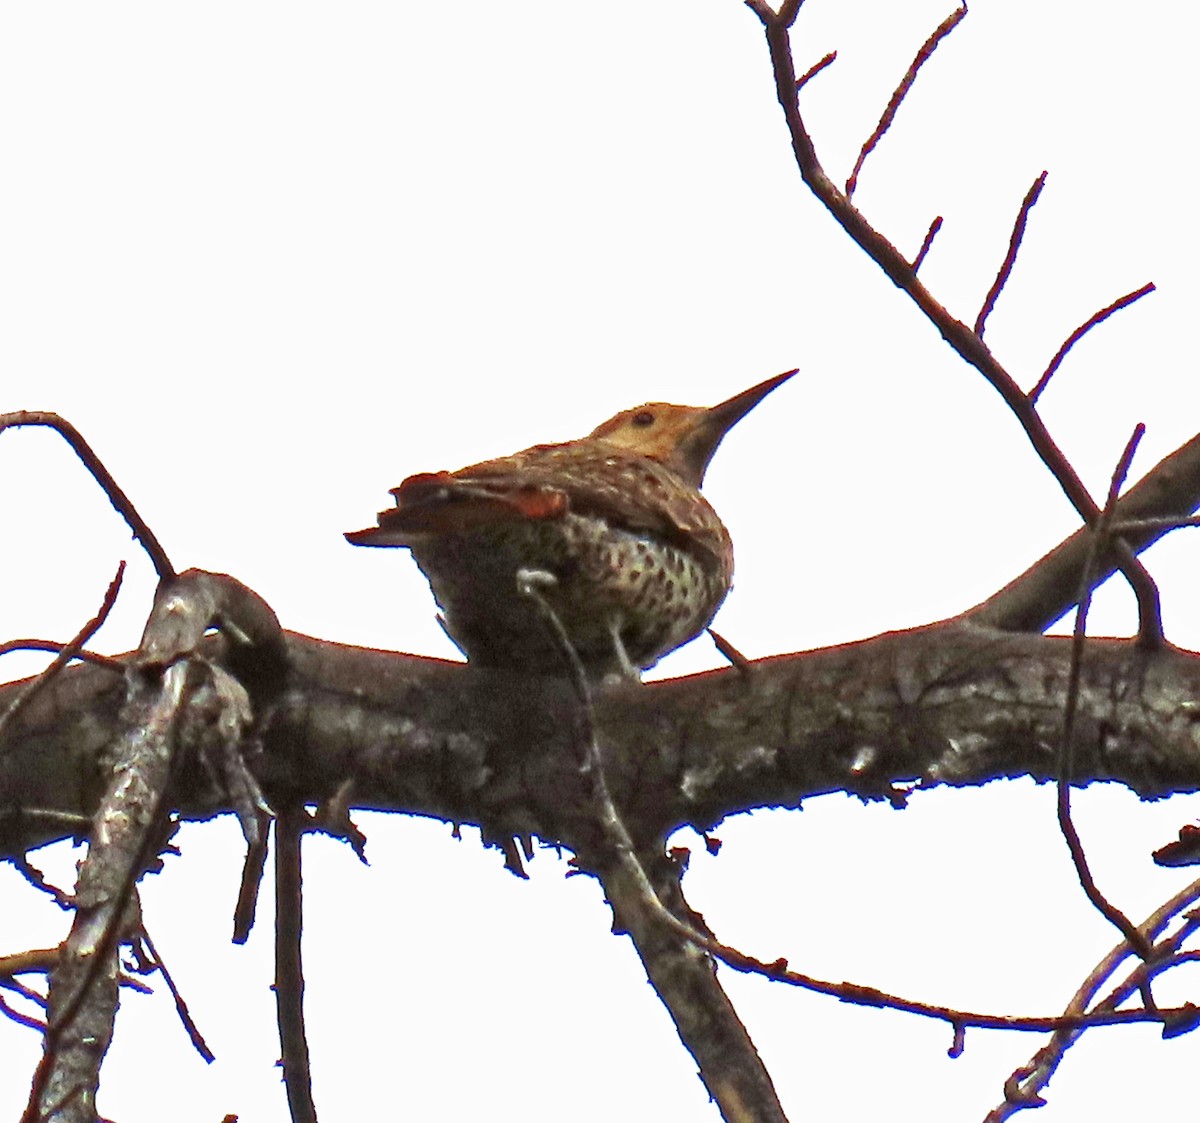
1010 258
1023 1087
927 243
966 342
120 501
70 650
290 826
1067 742
174 705
1080 332
910 76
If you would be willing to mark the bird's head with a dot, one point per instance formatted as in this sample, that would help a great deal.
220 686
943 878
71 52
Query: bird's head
683 438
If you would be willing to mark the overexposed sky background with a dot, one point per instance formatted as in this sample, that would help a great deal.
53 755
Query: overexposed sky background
271 259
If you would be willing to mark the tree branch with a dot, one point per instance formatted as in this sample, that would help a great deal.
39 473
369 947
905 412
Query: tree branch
966 342
950 704
1049 589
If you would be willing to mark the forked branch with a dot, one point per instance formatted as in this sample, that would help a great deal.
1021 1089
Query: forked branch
967 342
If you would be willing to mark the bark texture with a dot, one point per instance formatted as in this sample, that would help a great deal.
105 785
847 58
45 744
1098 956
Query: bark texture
955 704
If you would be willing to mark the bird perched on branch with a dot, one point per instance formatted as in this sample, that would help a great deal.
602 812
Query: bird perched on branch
610 532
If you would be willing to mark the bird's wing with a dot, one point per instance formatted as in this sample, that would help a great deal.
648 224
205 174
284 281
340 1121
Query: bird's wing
445 503
544 482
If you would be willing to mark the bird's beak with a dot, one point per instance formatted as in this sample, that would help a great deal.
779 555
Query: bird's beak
715 422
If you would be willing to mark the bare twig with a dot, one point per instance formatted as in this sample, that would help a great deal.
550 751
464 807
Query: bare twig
814 70
290 825
181 1007
37 879
1138 526
70 651
858 995
930 234
1081 331
901 92
1022 1088
53 647
118 498
252 872
1066 749
735 657
1010 258
32 959
21 1019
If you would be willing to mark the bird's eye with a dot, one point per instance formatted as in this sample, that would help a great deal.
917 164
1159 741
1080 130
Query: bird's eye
643 418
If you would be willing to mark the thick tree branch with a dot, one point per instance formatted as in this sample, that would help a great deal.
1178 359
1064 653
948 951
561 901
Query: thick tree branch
685 977
949 704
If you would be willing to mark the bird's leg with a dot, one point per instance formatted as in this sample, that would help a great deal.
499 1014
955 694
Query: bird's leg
628 670
533 583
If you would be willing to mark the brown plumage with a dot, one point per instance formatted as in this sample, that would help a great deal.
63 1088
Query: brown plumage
638 562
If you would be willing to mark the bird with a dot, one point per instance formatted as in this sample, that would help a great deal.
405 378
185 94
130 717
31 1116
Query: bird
610 532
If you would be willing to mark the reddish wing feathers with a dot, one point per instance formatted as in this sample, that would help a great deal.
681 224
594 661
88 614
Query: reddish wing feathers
442 503
588 477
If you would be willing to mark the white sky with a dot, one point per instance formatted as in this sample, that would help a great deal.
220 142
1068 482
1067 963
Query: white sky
270 259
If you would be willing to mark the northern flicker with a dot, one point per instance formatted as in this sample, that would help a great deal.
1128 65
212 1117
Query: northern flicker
612 529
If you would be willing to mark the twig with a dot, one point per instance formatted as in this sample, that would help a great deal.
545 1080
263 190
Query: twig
1010 258
118 498
290 824
814 70
37 879
252 872
181 1007
930 234
736 659
68 652
1023 1086
1137 526
901 92
53 647
1081 331
21 1019
1067 747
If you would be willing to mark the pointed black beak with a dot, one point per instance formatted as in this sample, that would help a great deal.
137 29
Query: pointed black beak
710 430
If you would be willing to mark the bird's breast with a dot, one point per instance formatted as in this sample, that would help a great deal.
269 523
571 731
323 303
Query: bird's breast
658 594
